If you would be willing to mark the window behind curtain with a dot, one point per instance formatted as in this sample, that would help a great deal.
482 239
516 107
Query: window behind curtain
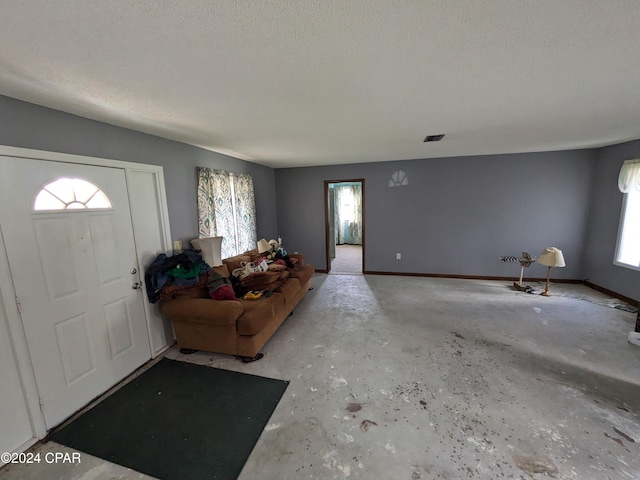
628 245
628 251
226 208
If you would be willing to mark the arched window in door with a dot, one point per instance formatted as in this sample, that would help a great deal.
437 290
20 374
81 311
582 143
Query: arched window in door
70 194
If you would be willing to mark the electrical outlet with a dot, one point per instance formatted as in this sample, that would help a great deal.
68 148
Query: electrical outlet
398 256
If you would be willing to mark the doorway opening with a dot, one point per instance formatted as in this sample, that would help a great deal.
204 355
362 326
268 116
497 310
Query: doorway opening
344 226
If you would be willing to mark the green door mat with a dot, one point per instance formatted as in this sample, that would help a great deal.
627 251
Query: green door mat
178 421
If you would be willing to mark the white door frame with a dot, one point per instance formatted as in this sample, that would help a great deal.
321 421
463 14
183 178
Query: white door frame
156 327
18 342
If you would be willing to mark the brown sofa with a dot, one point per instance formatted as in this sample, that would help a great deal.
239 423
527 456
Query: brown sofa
235 327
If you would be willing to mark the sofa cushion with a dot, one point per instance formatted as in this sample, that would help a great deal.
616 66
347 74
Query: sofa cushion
257 313
203 310
302 272
259 278
236 262
254 254
261 287
290 289
269 280
284 275
222 270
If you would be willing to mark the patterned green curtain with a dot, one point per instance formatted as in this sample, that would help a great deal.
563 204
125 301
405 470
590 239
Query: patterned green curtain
356 225
245 212
215 208
348 214
226 208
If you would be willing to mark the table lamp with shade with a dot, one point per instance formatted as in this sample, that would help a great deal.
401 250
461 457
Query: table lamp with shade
263 246
210 248
550 257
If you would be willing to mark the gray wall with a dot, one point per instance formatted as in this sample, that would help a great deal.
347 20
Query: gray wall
31 126
604 217
456 215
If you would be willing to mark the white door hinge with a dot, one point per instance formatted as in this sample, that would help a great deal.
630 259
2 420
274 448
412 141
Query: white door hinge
18 304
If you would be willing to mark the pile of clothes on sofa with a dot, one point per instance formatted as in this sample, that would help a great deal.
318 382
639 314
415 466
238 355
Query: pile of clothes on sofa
266 271
247 276
184 269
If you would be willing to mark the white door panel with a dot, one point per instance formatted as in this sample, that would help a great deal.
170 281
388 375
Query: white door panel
146 193
85 325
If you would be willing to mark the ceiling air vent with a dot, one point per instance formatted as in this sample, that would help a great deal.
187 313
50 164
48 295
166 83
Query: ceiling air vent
433 138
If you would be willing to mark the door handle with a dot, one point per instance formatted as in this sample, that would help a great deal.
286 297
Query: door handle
136 286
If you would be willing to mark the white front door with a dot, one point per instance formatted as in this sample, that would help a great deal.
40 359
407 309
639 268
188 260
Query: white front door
73 274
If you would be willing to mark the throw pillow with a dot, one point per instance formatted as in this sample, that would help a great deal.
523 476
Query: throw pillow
224 292
220 287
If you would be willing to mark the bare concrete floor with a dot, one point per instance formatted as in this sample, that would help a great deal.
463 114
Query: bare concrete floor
422 378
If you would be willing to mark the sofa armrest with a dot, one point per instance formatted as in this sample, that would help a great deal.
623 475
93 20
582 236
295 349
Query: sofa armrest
299 256
203 310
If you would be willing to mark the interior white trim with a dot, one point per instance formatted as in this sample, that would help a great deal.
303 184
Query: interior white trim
19 152
19 344
621 221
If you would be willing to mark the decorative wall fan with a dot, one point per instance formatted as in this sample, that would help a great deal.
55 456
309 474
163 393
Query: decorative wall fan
525 261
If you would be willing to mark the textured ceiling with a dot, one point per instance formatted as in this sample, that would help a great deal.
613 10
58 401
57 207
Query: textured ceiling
292 83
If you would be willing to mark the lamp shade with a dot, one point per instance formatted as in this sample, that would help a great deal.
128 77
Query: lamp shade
210 247
551 257
263 245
